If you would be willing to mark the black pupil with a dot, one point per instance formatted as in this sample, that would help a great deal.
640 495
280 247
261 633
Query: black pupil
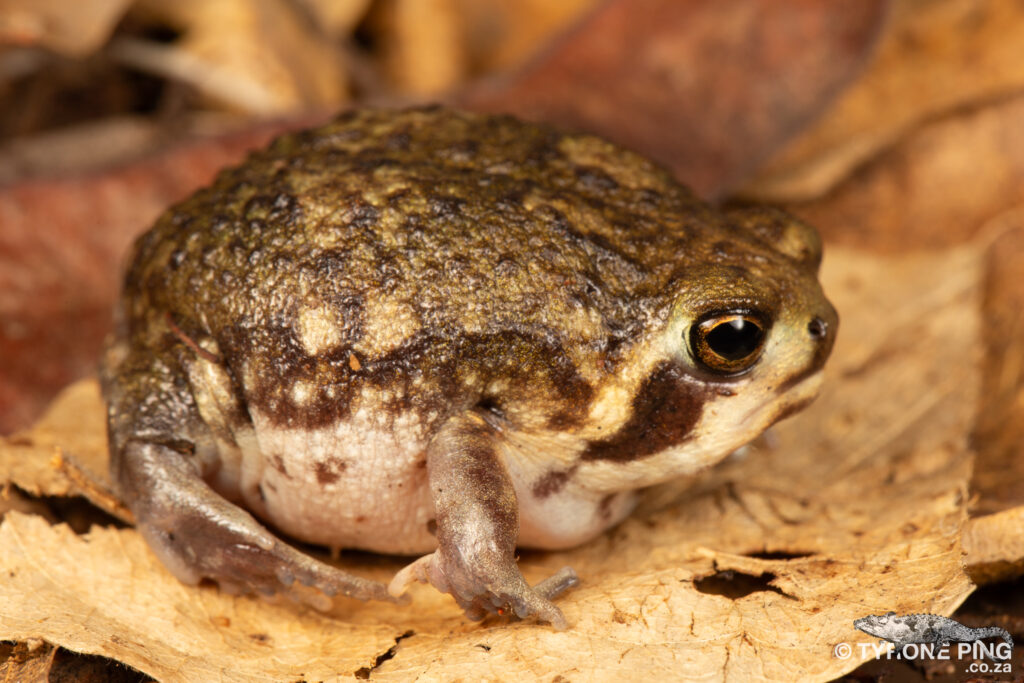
735 339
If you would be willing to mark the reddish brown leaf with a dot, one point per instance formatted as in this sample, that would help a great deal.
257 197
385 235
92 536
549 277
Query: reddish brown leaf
707 87
61 244
934 59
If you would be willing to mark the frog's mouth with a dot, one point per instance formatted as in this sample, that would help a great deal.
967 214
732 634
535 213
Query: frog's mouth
796 397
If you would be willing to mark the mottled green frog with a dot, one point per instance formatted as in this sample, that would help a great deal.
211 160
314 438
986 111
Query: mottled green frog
439 333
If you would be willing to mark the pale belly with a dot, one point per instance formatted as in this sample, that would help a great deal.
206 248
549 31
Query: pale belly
350 485
358 485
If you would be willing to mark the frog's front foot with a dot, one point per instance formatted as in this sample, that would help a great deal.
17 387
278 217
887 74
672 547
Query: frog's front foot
477 528
482 588
200 535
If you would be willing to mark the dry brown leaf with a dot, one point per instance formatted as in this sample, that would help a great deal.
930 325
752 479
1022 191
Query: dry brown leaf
73 28
423 45
994 546
14 499
501 34
934 57
273 59
31 460
944 183
936 188
994 539
66 150
338 17
430 47
998 481
26 662
37 462
853 507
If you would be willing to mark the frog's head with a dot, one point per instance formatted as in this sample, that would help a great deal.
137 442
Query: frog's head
750 324
751 309
745 333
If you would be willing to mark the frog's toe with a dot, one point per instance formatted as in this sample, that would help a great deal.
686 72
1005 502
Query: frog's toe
282 569
518 600
479 595
531 604
559 582
537 600
307 572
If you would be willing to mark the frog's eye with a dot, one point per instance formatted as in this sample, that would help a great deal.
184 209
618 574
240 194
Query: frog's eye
728 343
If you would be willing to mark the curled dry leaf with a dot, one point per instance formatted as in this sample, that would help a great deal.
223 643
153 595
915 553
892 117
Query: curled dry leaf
994 540
71 419
934 57
337 17
101 143
73 28
994 546
424 53
501 34
34 460
937 187
13 499
755 570
706 87
271 61
431 47
999 475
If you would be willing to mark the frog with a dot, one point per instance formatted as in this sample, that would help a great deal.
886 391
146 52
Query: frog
444 335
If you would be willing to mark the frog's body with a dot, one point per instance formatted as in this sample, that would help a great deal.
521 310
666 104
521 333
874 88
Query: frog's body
420 330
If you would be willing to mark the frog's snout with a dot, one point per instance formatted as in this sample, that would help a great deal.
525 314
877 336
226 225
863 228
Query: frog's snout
822 329
818 328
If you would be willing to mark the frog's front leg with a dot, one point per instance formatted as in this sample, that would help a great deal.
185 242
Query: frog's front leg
477 528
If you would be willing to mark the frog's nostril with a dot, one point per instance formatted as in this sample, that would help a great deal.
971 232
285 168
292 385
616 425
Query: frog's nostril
818 328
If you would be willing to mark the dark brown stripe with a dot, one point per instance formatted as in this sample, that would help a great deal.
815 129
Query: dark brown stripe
665 411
